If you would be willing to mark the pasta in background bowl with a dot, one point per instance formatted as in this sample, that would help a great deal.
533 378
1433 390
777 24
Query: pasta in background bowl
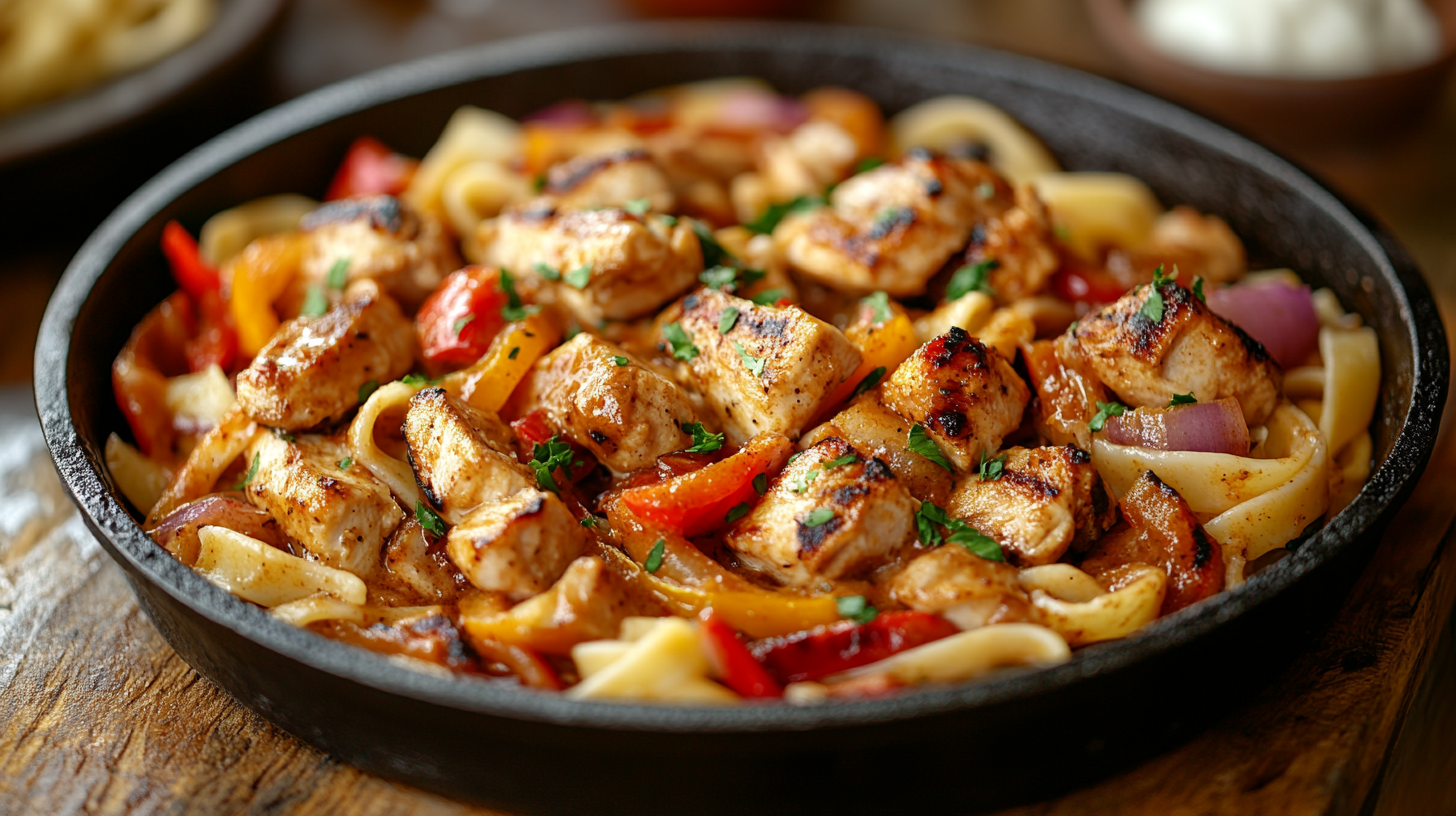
355 699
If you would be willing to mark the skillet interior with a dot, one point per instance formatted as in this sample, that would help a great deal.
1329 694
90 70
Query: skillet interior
984 743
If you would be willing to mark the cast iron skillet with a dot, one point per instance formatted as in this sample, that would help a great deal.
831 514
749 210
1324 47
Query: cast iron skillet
1012 737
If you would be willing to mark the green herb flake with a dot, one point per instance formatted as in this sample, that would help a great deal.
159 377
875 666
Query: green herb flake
760 483
972 278
513 310
515 350
1198 289
366 390
985 190
549 456
727 319
713 252
974 540
1073 328
856 608
847 459
338 274
345 462
818 517
805 479
546 271
539 182
737 512
928 520
282 434
719 277
638 206
769 219
670 220
866 165
920 442
461 323
753 364
654 556
1153 307
572 331
248 477
315 303
870 380
769 297
1182 399
682 345
589 521
429 519
879 306
1105 410
991 469
1159 279
579 277
704 441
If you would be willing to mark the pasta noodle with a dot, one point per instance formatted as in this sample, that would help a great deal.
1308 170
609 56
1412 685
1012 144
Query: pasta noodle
968 654
947 122
1108 616
392 399
266 575
472 135
225 235
1099 209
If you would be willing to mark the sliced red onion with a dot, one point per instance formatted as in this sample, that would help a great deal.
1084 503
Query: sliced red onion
566 113
178 531
1207 427
760 110
1280 316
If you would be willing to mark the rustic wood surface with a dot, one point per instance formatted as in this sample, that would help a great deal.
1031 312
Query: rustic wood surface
99 715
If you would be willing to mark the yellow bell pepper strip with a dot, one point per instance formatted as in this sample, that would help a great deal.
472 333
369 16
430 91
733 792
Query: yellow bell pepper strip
489 382
258 278
883 345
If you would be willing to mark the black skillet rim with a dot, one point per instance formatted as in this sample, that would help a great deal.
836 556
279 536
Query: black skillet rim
80 468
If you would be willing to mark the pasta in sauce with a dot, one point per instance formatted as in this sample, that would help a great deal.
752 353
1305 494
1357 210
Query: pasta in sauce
715 394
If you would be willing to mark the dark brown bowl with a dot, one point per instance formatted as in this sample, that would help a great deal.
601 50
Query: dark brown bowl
1011 737
1290 113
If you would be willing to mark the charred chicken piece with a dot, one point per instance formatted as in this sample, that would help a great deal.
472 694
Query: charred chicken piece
519 546
966 589
378 238
461 455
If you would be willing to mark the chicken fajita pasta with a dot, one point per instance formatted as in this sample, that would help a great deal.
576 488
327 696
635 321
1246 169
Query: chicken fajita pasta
716 394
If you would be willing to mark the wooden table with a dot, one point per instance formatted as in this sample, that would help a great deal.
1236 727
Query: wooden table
98 714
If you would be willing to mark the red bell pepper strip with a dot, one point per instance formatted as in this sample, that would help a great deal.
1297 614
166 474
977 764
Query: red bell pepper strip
371 168
193 274
139 375
460 318
216 341
841 646
697 503
732 661
1082 284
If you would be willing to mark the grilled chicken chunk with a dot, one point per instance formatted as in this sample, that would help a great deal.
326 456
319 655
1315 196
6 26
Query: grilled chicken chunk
632 264
1045 500
965 394
769 371
1189 350
828 514
420 566
1163 532
894 227
881 434
406 252
518 546
966 589
1067 391
815 155
313 368
461 455
343 516
1017 245
626 415
609 180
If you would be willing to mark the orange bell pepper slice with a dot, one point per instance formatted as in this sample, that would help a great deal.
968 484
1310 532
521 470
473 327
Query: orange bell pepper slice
698 503
258 278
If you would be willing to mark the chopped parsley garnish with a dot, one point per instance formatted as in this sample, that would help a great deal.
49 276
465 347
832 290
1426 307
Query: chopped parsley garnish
282 434
727 319
866 165
990 469
818 517
972 278
579 277
737 512
930 518
985 189
1198 289
546 271
461 323
805 479
366 390
1153 307
682 345
730 278
753 364
1159 278
419 380
548 456
429 519
248 477
847 459
1105 410
1182 399
1073 328
713 252
670 220
766 222
620 361
315 303
704 441
638 206
515 350
870 380
879 306
921 443
345 462
856 608
513 310
760 483
338 274
589 521
572 331
539 182
769 297
654 556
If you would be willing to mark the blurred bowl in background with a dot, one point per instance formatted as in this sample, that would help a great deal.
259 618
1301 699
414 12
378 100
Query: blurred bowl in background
1292 114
